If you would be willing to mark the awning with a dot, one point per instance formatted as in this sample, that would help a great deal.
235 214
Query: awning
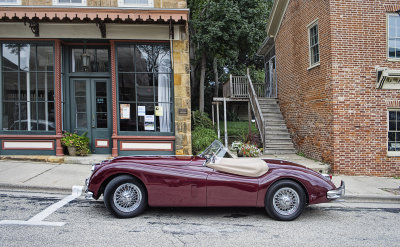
101 16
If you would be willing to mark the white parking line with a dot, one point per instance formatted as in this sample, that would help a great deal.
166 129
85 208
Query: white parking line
37 220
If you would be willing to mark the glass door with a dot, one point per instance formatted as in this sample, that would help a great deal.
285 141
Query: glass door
91 112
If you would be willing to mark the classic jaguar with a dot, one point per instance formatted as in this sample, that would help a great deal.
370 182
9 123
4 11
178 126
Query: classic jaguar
130 184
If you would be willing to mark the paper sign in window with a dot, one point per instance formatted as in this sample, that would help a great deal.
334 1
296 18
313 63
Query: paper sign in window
159 111
141 110
149 122
125 111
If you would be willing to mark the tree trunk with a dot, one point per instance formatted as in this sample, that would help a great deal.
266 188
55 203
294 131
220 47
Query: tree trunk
215 68
202 79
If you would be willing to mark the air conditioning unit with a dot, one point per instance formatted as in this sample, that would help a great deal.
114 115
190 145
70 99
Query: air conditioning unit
387 78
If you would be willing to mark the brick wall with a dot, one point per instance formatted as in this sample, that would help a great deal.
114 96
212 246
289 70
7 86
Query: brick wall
305 94
360 110
334 112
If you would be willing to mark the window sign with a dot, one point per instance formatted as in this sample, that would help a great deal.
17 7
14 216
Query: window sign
70 2
149 122
135 3
125 111
141 110
159 111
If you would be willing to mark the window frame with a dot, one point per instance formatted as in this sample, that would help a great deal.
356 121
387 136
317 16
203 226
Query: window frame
393 59
83 3
391 153
310 58
150 4
26 132
136 102
17 2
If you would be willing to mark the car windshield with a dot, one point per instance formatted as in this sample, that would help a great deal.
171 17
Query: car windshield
213 152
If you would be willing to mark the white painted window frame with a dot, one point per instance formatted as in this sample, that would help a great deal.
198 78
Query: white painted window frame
57 3
17 2
390 153
392 59
309 26
150 4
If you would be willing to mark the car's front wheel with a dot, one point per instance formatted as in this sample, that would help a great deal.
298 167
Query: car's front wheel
285 200
125 197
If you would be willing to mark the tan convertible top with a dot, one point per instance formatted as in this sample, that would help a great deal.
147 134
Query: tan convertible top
249 167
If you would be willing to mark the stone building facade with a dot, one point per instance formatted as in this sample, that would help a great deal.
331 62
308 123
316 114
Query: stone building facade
117 70
337 87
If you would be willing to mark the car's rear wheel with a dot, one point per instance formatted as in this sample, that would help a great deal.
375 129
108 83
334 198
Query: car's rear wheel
125 197
285 200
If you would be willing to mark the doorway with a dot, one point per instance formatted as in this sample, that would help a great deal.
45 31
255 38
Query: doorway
91 111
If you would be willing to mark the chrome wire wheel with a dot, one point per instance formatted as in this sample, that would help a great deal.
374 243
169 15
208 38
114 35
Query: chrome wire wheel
127 197
286 201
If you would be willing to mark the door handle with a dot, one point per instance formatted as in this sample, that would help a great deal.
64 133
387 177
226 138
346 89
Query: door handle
93 121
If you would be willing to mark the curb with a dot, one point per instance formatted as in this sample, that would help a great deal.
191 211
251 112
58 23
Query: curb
372 198
36 158
35 188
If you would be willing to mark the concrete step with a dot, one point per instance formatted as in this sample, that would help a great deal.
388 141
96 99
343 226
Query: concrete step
275 127
276 131
280 151
270 110
272 116
280 141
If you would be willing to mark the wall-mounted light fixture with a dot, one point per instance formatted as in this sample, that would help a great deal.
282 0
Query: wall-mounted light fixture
85 58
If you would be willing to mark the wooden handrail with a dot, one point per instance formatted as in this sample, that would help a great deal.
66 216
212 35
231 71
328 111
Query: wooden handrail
256 109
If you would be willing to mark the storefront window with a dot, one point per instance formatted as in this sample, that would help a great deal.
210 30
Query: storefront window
27 74
145 90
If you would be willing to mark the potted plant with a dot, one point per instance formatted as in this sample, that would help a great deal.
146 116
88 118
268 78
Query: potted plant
76 144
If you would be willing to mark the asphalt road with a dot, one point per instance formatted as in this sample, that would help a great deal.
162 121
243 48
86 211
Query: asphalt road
88 223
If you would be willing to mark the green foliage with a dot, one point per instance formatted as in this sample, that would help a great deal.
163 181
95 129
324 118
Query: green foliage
232 116
74 140
202 138
238 129
201 119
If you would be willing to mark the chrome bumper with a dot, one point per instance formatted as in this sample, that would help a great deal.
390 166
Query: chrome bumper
88 194
335 194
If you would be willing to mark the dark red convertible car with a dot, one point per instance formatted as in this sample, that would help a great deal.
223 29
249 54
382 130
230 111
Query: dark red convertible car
130 184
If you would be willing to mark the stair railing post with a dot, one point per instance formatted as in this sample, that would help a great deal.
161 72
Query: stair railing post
225 125
231 85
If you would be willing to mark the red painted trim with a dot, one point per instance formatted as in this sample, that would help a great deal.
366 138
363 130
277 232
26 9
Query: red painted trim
155 138
29 136
108 143
114 151
51 141
58 105
143 149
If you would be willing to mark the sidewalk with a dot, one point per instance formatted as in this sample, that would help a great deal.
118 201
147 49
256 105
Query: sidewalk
31 175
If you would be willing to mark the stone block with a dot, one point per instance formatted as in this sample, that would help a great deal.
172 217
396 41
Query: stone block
177 79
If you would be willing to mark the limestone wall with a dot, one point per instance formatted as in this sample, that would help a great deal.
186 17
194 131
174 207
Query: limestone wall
182 97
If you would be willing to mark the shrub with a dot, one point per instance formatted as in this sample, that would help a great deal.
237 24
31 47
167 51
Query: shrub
202 138
201 119
74 140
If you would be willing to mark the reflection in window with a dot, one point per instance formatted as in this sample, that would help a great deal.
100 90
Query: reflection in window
144 86
28 86
394 36
394 130
98 60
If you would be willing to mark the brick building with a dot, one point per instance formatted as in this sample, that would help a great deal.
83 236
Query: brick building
337 75
116 69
